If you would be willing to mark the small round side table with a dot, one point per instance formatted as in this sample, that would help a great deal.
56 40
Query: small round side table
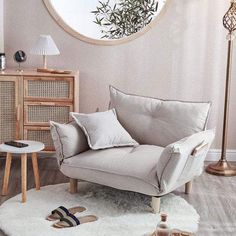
33 148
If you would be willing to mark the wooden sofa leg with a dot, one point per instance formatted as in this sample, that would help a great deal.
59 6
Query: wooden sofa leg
73 185
188 187
156 203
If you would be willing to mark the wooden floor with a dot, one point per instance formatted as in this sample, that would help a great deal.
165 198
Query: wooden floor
213 197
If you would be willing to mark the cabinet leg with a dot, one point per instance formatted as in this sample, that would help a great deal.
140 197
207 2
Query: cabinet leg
23 176
156 203
188 187
36 171
6 174
73 185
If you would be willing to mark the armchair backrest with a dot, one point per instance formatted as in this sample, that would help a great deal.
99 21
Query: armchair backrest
158 122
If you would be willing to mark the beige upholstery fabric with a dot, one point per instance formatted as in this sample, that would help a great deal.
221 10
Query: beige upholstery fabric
68 139
139 162
179 164
122 182
168 131
157 170
130 162
158 122
103 130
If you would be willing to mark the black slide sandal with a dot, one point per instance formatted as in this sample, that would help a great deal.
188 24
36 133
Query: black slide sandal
61 212
72 221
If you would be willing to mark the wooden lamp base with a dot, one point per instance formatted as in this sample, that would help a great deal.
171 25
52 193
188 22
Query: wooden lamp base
53 71
44 70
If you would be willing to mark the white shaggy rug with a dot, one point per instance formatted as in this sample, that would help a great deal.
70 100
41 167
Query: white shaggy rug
119 212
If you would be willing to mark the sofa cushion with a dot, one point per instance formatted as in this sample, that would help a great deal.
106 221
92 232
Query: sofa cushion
158 122
138 162
121 182
68 139
103 130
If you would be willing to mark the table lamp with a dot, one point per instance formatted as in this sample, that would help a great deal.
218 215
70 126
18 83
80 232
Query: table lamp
222 167
45 46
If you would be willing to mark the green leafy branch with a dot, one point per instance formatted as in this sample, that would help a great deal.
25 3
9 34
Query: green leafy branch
125 17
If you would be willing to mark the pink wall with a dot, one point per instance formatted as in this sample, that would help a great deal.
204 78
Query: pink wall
1 27
182 57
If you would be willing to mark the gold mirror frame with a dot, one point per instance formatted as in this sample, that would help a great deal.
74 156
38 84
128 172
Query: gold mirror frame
84 38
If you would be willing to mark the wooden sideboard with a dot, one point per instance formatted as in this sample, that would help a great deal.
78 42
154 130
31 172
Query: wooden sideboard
29 100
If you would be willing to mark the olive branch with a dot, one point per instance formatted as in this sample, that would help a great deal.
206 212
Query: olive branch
125 17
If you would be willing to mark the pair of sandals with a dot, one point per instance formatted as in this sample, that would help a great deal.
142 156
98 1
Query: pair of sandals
67 218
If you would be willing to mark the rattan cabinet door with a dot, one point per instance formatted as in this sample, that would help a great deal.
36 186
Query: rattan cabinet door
9 108
40 113
40 134
48 88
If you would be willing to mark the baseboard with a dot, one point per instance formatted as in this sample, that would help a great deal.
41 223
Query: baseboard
214 155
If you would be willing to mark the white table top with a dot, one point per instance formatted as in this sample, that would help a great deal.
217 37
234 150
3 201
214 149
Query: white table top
33 147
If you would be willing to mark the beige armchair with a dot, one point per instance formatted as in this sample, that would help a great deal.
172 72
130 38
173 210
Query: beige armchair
173 145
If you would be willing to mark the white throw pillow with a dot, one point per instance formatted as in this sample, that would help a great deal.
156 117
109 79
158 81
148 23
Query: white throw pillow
103 130
68 139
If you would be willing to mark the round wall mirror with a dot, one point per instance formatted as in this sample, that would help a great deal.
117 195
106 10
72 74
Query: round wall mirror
105 22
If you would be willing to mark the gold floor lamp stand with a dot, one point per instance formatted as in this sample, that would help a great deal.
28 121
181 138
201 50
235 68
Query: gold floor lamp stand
222 167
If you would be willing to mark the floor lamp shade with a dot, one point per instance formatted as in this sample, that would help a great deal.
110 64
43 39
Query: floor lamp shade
45 46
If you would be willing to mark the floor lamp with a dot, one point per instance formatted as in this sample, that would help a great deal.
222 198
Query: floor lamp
222 167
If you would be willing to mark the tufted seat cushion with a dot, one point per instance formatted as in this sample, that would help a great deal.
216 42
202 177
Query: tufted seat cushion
158 122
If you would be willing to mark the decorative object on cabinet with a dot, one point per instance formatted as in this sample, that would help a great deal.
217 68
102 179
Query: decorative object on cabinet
29 100
20 57
222 167
2 61
93 26
45 46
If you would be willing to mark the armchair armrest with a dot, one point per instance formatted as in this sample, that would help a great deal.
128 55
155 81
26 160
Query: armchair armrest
175 164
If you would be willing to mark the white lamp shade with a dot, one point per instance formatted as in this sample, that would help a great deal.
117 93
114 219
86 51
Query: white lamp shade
45 46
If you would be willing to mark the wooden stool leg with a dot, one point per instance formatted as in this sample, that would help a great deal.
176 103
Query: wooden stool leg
73 185
6 174
23 176
36 171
